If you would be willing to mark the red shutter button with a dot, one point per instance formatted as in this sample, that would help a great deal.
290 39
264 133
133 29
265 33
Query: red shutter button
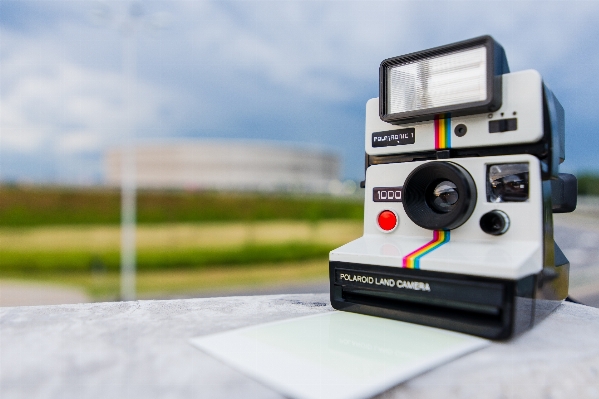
387 220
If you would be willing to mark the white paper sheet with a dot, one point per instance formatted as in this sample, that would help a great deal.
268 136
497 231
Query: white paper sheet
336 355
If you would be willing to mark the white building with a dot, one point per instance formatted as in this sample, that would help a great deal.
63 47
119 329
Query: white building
228 165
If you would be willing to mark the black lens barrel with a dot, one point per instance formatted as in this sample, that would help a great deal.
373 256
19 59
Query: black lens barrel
495 222
419 195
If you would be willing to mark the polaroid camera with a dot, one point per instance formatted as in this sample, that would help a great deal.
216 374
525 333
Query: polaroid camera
462 179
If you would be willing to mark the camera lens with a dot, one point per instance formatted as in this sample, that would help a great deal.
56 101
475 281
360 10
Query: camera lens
444 196
439 195
495 222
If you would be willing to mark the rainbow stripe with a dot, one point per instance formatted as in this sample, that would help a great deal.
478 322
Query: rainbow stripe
443 132
412 260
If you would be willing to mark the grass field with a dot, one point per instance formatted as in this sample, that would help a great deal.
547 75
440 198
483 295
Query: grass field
172 246
44 206
186 241
174 259
93 238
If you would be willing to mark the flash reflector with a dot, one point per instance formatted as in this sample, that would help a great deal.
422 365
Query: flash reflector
461 78
452 79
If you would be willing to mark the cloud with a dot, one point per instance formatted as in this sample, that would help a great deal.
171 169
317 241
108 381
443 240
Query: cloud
287 70
48 101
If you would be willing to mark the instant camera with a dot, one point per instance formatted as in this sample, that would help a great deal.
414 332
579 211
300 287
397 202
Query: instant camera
462 179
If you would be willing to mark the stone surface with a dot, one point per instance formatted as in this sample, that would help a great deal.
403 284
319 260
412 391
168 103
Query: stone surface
141 350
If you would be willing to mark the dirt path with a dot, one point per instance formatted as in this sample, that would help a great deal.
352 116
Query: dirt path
17 293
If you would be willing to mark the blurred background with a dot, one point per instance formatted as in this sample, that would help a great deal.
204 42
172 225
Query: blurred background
240 126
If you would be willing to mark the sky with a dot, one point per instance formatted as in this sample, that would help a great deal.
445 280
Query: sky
292 71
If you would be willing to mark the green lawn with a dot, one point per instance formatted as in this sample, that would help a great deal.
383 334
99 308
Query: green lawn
186 241
170 246
37 206
175 259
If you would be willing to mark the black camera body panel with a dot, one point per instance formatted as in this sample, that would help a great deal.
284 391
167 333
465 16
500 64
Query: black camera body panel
486 307
490 308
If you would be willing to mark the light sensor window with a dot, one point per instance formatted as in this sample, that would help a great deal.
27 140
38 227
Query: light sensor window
507 182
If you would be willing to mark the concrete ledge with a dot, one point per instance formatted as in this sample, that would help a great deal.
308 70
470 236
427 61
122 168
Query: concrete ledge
141 350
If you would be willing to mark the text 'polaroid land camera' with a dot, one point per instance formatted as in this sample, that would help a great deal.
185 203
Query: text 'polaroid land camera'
462 179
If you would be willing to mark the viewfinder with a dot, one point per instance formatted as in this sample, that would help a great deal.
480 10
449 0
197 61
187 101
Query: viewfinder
507 182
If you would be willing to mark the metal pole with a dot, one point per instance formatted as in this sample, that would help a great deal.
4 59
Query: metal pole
128 165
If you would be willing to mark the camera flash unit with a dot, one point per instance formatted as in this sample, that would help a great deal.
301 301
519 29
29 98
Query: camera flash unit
464 78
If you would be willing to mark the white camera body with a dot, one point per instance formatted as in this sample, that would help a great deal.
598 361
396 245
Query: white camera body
513 255
522 94
493 269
